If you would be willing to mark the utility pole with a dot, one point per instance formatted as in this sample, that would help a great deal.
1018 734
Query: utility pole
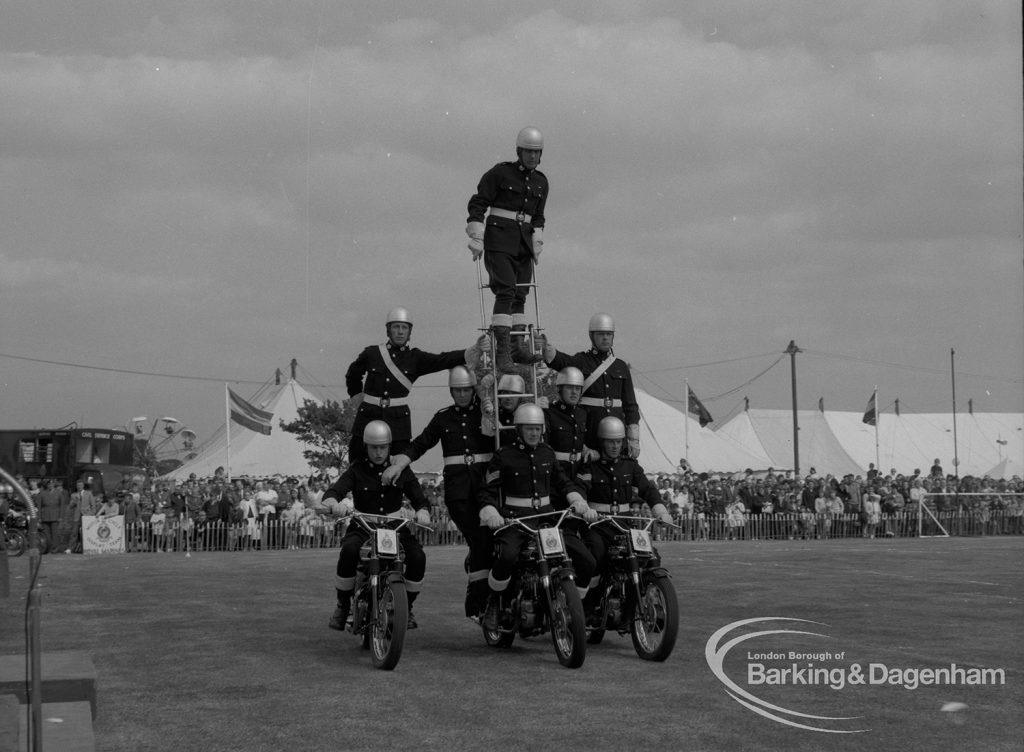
792 350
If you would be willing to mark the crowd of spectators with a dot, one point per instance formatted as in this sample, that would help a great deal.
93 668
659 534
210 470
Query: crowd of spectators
288 512
771 504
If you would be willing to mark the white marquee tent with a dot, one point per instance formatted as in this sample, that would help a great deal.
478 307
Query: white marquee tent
668 435
254 454
840 442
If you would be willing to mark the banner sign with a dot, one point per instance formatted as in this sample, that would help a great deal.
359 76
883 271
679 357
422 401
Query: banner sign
103 535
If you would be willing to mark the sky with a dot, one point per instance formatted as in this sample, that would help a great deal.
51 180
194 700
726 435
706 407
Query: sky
194 193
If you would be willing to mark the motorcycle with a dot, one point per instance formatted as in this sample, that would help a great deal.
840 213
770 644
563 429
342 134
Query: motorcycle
15 541
380 605
636 597
17 523
542 594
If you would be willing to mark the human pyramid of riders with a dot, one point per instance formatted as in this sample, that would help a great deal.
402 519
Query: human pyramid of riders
508 454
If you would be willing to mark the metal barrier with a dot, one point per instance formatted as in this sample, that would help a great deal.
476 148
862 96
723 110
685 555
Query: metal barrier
278 535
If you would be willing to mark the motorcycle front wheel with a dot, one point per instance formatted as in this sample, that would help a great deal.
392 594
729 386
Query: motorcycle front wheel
655 619
15 543
387 630
568 624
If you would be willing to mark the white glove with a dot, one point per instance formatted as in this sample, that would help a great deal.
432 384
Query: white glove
538 243
542 402
475 231
589 455
346 507
661 512
582 508
490 517
398 463
423 517
633 440
545 348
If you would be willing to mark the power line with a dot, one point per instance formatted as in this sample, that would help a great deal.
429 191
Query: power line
710 363
920 369
181 376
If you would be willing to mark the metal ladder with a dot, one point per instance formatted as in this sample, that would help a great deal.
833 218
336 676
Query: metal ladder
536 370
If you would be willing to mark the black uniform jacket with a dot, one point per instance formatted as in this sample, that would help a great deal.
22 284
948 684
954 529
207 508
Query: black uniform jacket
380 382
616 482
466 450
613 389
522 472
370 496
565 428
509 186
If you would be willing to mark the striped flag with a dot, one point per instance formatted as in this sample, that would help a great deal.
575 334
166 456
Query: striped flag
871 414
248 415
696 408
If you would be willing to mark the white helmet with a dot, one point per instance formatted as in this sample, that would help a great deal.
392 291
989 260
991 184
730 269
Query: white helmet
601 322
459 377
377 433
528 415
530 138
511 382
569 376
399 315
611 428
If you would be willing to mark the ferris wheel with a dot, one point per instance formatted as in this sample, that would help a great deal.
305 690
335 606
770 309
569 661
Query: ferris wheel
165 445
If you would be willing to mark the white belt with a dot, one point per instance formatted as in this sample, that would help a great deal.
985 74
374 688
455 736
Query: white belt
600 402
517 216
385 402
526 502
467 459
566 456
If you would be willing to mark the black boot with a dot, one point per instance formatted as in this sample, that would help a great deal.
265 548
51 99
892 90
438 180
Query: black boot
476 598
492 611
502 350
591 607
521 352
411 624
341 613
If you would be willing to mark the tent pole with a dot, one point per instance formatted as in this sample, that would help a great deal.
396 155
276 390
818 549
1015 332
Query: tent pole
227 428
792 350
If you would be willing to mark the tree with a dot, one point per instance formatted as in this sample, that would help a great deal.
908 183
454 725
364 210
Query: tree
326 429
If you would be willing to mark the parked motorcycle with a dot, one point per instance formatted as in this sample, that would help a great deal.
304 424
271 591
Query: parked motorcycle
542 594
15 541
18 523
380 605
636 597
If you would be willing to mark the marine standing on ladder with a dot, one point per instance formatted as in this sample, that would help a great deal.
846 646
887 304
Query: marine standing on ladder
608 386
506 227
466 453
389 370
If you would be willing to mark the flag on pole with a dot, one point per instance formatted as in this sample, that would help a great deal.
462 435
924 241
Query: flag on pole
871 414
248 415
696 408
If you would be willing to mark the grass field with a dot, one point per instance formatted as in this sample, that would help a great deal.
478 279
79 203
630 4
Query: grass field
231 652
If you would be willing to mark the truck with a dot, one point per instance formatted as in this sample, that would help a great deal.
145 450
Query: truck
100 457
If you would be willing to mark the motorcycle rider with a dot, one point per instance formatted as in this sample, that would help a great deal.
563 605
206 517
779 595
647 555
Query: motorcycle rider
523 479
363 480
614 483
466 454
